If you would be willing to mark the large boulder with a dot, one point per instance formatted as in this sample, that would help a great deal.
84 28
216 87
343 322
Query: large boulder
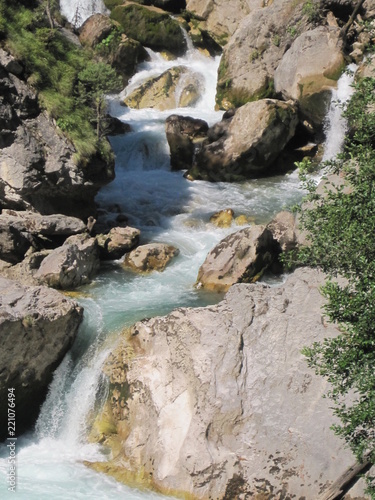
248 143
71 265
151 27
183 134
310 69
241 257
95 29
176 87
219 402
37 169
151 257
117 242
37 327
221 18
250 58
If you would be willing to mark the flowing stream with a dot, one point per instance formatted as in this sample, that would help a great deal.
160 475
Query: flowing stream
167 208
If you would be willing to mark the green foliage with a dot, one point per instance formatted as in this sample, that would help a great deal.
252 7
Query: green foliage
311 11
341 228
95 81
52 66
109 44
276 40
294 30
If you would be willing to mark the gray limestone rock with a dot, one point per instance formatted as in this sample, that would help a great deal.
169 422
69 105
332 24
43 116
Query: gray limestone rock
310 69
71 265
284 231
254 51
151 257
48 225
117 242
219 402
37 327
240 257
248 143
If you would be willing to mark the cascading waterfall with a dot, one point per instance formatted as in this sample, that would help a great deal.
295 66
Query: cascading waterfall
77 11
335 123
166 207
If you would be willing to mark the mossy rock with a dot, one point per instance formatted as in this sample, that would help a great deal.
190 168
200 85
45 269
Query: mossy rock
152 28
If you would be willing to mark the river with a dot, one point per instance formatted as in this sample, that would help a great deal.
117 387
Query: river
167 208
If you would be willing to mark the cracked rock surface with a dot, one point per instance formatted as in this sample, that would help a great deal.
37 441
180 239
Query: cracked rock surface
218 401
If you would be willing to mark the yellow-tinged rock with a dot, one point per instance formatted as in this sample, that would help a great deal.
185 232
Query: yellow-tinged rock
224 218
241 220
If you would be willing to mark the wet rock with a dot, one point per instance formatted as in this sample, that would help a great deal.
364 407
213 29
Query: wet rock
176 87
151 257
114 126
241 257
37 327
183 132
218 402
117 242
310 69
246 144
224 218
242 220
151 27
71 265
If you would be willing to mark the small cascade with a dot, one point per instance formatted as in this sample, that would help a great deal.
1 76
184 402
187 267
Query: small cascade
77 11
335 123
189 43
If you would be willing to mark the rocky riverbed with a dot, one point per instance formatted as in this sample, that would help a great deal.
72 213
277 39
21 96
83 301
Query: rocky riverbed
212 402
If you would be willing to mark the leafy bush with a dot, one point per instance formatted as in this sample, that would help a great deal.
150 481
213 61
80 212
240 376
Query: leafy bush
52 65
341 229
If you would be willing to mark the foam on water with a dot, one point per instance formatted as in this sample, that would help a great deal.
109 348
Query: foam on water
335 123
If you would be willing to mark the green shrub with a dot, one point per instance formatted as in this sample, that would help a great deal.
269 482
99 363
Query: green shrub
52 66
341 227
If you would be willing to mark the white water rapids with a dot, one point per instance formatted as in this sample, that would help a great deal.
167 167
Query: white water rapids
168 208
